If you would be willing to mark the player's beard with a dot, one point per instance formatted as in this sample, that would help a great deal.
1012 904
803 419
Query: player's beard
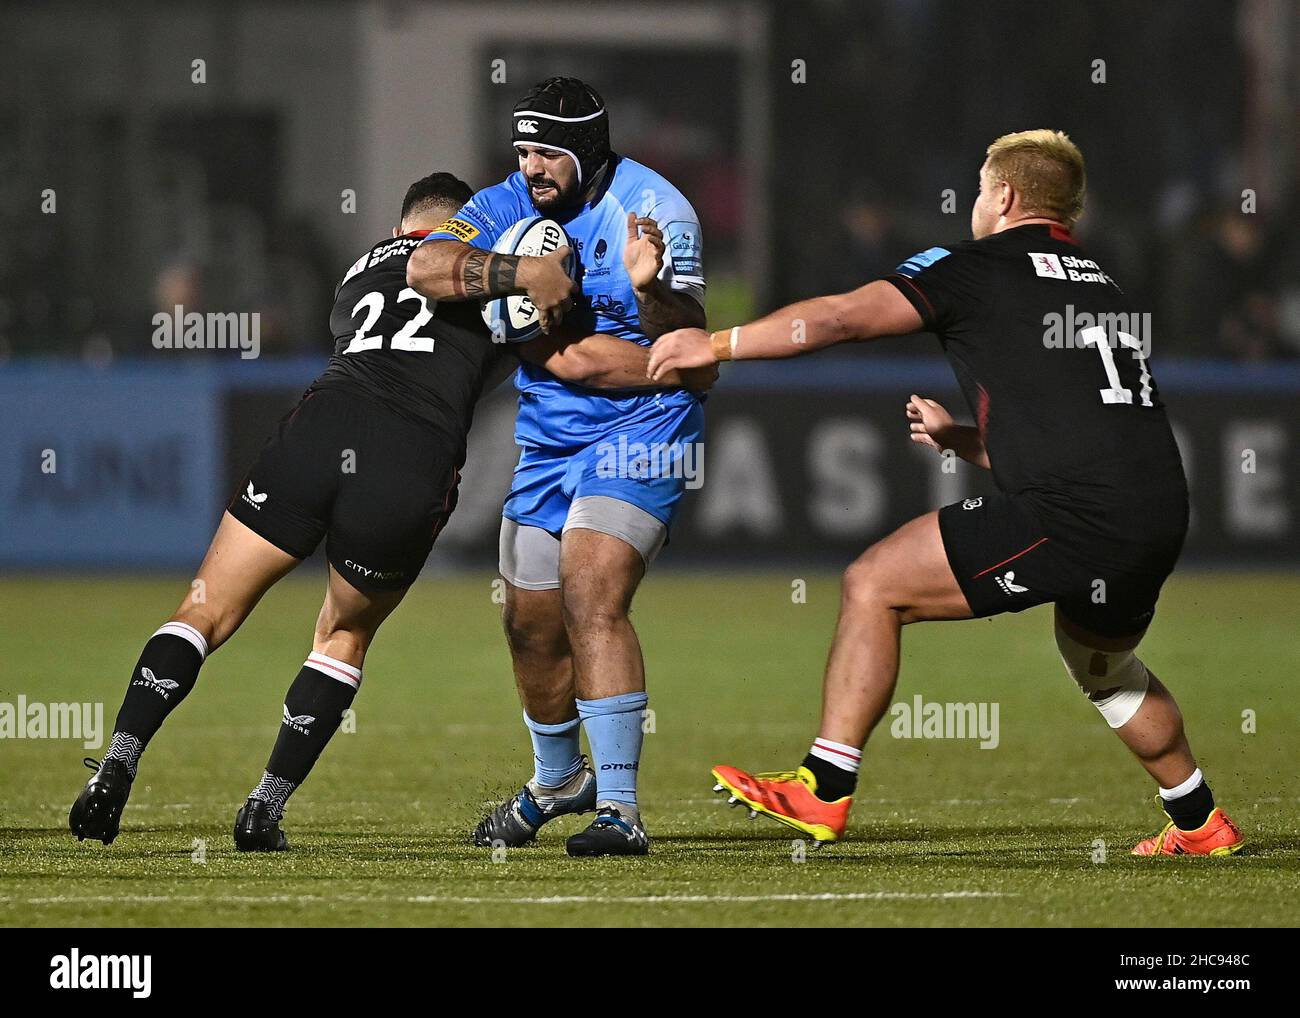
555 198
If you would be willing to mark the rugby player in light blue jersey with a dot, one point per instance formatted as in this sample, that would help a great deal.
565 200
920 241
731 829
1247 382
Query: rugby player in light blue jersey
601 474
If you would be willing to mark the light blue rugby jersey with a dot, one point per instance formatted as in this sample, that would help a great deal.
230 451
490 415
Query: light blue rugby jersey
558 414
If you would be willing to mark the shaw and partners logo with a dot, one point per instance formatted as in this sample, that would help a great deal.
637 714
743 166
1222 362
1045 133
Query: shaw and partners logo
77 971
1068 267
182 330
642 461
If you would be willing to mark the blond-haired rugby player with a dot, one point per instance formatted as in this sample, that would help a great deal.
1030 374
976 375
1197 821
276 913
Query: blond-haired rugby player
1091 508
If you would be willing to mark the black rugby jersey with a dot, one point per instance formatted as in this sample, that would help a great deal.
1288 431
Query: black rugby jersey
427 361
1054 361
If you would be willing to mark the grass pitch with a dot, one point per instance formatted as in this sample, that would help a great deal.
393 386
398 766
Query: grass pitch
944 833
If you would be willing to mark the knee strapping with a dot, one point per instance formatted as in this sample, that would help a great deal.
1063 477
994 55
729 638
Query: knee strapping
1115 681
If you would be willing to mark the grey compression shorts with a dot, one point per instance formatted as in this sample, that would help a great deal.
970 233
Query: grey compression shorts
530 556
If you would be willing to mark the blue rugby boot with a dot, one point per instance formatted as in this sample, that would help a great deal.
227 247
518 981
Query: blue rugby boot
516 821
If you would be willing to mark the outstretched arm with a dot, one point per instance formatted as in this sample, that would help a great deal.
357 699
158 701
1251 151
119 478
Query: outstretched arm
871 311
602 361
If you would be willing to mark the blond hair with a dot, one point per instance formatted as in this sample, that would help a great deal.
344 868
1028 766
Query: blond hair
1045 168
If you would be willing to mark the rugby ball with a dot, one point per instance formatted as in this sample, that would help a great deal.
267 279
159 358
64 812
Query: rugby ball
513 319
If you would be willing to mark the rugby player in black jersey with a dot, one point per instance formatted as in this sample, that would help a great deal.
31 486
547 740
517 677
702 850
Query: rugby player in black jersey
1091 508
369 461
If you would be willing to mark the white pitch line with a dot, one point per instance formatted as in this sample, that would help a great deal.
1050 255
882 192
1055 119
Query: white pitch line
431 899
689 899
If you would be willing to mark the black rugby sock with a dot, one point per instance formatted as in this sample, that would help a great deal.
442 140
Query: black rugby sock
163 677
1190 811
832 782
313 708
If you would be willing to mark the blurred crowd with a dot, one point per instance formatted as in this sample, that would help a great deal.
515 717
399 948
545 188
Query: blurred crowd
1219 282
1194 176
873 156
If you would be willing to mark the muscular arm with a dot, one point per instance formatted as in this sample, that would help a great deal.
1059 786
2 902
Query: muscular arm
453 270
601 361
869 312
659 307
662 309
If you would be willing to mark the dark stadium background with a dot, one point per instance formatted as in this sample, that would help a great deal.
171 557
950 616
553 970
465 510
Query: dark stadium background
228 196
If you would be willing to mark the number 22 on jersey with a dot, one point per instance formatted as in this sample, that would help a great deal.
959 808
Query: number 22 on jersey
404 339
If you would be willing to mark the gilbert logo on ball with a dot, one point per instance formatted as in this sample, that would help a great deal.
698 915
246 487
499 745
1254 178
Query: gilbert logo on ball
514 319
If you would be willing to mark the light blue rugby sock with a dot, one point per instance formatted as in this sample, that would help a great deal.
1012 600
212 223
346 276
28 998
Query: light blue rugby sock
557 755
613 727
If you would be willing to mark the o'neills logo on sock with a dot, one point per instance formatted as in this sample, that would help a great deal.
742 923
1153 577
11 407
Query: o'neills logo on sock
75 971
149 680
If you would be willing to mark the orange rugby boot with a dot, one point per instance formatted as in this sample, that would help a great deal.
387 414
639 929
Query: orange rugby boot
787 796
1218 836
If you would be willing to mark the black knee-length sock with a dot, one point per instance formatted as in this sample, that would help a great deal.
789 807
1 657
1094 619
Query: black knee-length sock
163 677
313 708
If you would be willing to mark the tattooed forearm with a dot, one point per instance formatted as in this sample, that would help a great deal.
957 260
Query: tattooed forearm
662 309
478 273
451 270
502 277
467 273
